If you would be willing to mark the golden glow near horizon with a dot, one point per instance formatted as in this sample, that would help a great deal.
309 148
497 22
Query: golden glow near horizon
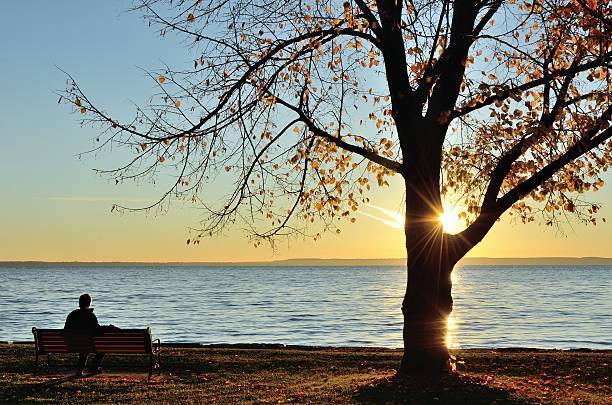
84 229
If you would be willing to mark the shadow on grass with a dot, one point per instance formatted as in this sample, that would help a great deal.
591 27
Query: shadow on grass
71 386
451 389
24 391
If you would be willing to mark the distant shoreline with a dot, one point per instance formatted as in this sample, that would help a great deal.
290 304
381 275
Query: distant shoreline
332 262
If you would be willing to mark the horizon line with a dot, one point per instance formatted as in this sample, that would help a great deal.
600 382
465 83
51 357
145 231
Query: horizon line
319 261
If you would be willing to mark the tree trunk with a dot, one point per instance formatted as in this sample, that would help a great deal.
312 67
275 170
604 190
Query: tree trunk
426 307
428 302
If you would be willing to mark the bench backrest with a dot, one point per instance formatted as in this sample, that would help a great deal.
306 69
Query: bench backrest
75 341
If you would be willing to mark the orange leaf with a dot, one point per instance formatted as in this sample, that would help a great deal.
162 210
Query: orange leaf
161 79
190 18
78 102
177 103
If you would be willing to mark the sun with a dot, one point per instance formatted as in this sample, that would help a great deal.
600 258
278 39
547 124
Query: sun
450 221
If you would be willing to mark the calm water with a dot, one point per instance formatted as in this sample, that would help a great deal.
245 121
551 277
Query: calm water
547 307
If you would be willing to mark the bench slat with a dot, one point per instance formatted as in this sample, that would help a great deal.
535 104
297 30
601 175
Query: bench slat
118 343
126 347
62 338
121 342
120 336
66 349
127 339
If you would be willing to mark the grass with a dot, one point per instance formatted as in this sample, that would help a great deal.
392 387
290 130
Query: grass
310 375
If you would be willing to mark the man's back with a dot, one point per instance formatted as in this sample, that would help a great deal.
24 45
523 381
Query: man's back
82 319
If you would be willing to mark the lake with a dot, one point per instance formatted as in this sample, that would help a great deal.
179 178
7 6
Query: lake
495 306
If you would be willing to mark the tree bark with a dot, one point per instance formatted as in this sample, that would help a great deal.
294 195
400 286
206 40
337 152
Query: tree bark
430 261
427 306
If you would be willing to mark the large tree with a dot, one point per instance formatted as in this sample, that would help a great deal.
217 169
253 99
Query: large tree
297 106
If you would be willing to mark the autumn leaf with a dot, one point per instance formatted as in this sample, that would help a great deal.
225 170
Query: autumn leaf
161 79
190 18
78 102
177 103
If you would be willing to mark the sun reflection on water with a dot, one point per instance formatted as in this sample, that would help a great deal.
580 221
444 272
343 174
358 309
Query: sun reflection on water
455 277
451 338
452 321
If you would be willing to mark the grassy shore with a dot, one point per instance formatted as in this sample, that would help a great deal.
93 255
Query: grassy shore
315 375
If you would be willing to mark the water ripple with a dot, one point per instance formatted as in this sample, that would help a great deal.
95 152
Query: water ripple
550 306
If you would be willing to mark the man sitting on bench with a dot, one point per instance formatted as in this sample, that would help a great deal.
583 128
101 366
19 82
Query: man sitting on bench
84 319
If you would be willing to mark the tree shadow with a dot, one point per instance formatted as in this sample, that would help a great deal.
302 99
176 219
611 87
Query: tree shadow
23 391
450 389
53 383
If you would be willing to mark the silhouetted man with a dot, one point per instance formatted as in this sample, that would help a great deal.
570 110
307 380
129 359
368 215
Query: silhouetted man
84 319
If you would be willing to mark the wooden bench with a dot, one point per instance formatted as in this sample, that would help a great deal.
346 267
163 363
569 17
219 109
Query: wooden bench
121 341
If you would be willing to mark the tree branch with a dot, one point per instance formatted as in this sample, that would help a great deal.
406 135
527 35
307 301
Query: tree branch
529 85
370 17
390 164
453 62
485 220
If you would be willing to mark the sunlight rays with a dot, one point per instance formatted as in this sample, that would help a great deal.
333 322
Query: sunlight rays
396 221
449 218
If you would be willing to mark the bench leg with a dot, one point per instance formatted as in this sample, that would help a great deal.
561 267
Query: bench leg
36 365
150 365
48 363
159 362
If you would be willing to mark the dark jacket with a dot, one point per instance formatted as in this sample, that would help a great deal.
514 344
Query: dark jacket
82 319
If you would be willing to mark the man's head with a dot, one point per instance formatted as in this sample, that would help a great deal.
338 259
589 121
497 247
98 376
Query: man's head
84 301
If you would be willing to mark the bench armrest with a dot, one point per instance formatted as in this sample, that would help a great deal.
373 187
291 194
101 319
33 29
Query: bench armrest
156 345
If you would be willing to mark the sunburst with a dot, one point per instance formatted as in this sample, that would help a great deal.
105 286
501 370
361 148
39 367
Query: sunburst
450 221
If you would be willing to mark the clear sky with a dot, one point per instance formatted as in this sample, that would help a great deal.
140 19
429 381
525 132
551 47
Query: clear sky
53 207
